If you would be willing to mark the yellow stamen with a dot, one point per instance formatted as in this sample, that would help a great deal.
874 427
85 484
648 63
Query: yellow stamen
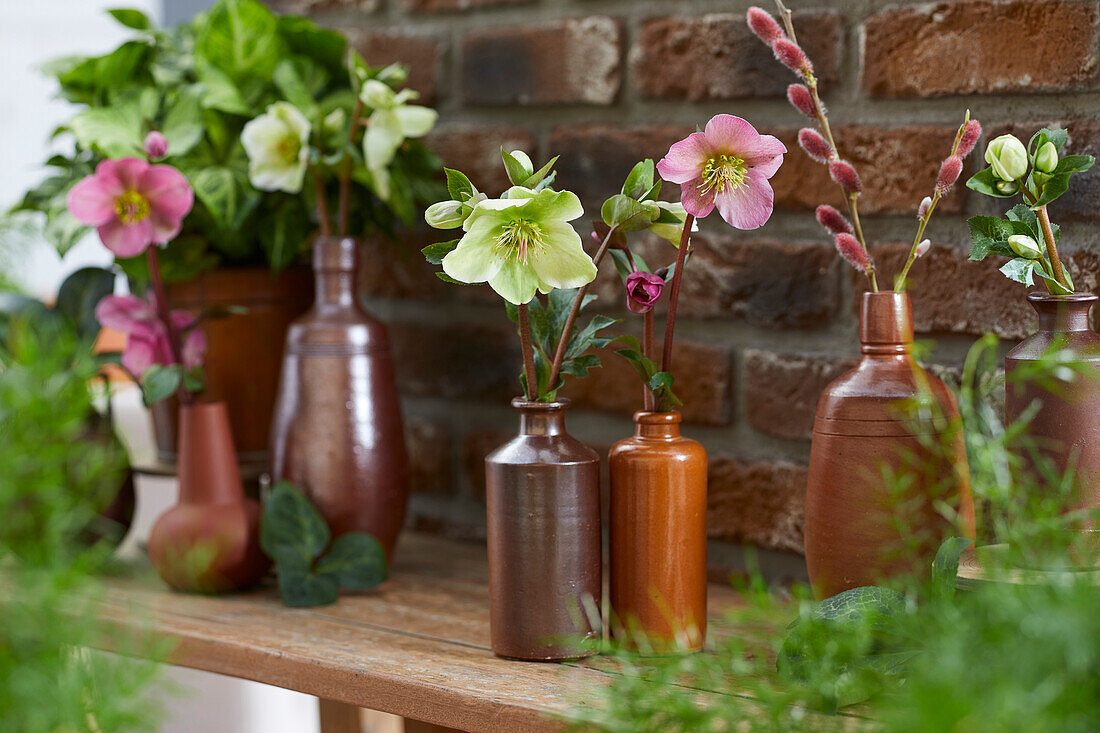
721 171
288 148
517 239
131 207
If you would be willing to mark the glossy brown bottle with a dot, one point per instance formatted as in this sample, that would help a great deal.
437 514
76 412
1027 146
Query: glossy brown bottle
543 507
659 537
208 542
861 527
337 430
1067 425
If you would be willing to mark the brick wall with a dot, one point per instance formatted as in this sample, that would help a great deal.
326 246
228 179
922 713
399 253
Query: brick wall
769 316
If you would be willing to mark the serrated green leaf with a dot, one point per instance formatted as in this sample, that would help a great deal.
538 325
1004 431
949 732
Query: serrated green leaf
434 253
183 125
240 37
290 83
458 185
640 180
1052 189
985 233
219 92
292 531
536 179
1074 164
301 587
356 561
626 214
1020 270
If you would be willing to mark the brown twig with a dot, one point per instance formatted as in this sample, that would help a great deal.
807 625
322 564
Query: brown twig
674 294
345 172
528 352
164 313
1052 249
322 204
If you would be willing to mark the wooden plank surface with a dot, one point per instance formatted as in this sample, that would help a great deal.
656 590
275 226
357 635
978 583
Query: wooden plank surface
418 646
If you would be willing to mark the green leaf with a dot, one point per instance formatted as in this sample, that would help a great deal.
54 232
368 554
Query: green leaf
458 185
292 531
1052 189
240 37
945 567
640 180
183 126
288 81
219 91
1057 136
194 380
537 178
581 340
114 132
434 253
985 182
1073 164
356 561
1020 270
581 365
448 279
986 232
228 199
626 214
323 45
300 587
160 382
516 171
78 296
131 18
855 603
63 230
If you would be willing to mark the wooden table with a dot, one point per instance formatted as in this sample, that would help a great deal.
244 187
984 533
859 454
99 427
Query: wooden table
418 646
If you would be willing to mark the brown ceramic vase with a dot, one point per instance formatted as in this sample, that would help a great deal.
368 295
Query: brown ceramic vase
1066 427
860 527
543 509
337 430
659 537
208 542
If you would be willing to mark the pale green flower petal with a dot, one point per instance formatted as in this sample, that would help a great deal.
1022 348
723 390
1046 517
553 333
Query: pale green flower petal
268 177
377 95
380 182
491 208
416 121
405 95
515 282
261 135
562 261
556 205
382 139
475 259
277 146
519 192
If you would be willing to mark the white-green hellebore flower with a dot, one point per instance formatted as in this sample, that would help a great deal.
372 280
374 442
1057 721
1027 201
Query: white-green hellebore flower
672 232
390 124
451 214
1008 156
522 243
277 144
1025 246
1046 158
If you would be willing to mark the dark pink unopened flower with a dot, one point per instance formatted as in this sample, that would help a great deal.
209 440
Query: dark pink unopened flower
764 25
833 220
799 97
643 290
133 204
147 340
156 145
850 249
815 145
845 174
727 165
949 173
791 55
969 139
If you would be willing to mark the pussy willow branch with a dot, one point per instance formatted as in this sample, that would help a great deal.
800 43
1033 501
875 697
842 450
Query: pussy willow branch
528 352
345 171
674 294
164 313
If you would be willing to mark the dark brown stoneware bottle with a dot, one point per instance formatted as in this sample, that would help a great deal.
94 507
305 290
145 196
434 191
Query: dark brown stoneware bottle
854 523
337 430
1067 425
659 537
543 505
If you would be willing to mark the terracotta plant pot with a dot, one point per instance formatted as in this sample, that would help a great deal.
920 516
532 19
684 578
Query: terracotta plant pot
337 431
659 537
543 503
860 527
244 350
1067 426
209 542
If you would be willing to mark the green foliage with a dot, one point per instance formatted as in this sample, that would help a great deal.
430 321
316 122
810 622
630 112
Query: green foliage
311 570
655 380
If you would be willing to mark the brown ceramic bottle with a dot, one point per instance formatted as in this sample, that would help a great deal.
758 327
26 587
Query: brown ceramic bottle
1067 425
861 528
659 536
208 542
337 430
543 507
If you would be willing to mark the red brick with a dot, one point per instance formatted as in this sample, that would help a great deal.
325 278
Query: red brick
396 269
429 446
574 61
304 7
475 151
475 446
451 6
978 46
420 52
456 360
780 391
761 504
716 56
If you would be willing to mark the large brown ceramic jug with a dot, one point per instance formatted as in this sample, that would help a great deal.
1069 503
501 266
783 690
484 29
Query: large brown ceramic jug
862 527
1067 425
337 430
543 505
209 542
659 537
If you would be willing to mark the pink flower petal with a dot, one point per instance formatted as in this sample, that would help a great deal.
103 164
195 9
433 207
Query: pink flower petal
731 134
750 205
126 173
181 319
685 159
167 191
92 201
766 157
194 348
695 202
137 356
123 312
127 240
165 229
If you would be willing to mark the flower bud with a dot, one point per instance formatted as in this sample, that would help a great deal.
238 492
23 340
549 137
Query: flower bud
1025 246
833 220
764 25
971 132
1008 187
643 290
949 173
334 120
851 250
1008 156
156 145
444 215
843 173
799 97
524 160
395 74
924 208
815 145
923 247
793 57
1046 158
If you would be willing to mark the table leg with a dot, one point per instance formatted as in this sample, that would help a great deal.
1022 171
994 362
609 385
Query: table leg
338 717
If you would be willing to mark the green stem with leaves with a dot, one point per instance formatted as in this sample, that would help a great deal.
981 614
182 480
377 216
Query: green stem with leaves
528 350
164 314
674 293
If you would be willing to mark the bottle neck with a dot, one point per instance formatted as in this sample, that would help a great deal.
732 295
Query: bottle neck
657 425
334 289
886 324
1062 314
541 419
335 266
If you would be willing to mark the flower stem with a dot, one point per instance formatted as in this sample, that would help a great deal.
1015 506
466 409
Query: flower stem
345 172
528 353
674 294
1052 248
322 203
164 314
647 352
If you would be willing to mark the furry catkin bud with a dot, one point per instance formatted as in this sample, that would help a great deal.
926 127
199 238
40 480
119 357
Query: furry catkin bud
923 247
833 220
791 55
969 139
764 25
843 173
949 173
799 97
815 145
850 249
925 207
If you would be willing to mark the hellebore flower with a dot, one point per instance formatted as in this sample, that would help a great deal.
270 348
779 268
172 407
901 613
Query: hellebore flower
390 124
1008 156
643 290
451 214
277 144
727 165
1025 246
132 204
1046 158
147 341
522 243
156 145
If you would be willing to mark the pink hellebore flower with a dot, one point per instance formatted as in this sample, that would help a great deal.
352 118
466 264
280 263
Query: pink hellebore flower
643 290
146 338
132 203
727 165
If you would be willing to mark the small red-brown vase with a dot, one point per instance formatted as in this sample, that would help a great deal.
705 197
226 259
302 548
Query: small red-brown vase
337 430
659 537
208 542
545 561
1066 427
862 527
